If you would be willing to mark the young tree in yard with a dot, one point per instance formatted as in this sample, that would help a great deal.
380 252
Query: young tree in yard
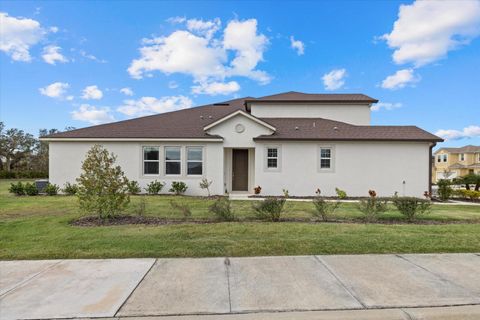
102 186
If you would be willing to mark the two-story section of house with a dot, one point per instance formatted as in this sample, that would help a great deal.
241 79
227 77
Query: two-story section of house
450 163
294 141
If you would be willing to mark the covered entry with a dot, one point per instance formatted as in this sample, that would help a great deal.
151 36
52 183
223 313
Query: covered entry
239 170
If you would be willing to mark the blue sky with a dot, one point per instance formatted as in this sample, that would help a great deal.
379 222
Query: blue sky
66 63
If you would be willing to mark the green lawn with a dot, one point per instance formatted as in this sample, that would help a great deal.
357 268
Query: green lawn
38 228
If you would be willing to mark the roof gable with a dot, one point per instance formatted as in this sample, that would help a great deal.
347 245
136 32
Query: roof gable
241 113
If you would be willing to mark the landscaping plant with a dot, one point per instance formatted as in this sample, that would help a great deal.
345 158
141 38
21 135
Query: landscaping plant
205 184
31 189
411 207
52 189
102 186
133 187
372 207
17 189
269 209
183 208
340 193
178 187
323 209
222 209
444 189
154 187
70 189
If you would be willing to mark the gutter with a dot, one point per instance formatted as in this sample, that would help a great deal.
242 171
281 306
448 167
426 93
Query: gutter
133 139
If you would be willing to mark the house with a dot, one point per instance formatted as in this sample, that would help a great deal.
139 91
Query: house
449 163
294 141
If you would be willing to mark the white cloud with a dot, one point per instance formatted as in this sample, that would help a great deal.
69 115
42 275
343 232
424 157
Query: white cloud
56 90
216 88
335 79
92 93
468 132
53 29
386 106
196 52
426 30
93 114
400 79
51 54
172 85
17 35
127 91
91 57
297 45
151 105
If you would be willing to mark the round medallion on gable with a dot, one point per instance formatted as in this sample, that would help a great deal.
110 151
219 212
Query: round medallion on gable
239 128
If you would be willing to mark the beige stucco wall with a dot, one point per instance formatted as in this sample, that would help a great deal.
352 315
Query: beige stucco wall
354 114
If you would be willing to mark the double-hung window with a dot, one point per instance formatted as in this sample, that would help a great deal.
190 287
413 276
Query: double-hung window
272 158
151 160
173 161
462 156
439 158
444 158
325 158
194 160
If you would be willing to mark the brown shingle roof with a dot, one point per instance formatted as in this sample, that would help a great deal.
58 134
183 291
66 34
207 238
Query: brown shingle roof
466 149
324 129
315 97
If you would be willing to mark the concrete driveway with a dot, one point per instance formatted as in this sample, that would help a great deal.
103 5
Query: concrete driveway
430 286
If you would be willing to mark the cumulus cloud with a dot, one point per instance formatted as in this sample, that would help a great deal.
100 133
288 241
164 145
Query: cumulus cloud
17 35
216 88
400 79
91 57
207 58
426 30
151 105
56 90
92 114
335 79
297 45
127 91
468 132
92 93
51 54
385 106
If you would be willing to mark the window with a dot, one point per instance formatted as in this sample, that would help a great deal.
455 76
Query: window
272 158
194 160
439 158
444 158
151 160
325 158
462 156
172 160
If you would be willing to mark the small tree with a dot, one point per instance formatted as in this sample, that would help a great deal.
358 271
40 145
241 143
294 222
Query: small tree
102 186
205 184
444 189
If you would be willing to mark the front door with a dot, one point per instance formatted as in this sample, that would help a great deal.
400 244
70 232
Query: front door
240 170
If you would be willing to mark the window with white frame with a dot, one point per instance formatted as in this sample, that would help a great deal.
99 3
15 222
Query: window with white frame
272 158
325 158
173 162
444 158
439 158
151 160
194 160
462 156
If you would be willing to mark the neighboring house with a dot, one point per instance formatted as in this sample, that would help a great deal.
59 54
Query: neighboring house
449 163
294 141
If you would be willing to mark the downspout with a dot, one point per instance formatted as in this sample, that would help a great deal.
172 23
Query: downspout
430 164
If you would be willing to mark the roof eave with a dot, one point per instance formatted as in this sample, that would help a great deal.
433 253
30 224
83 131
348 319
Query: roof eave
369 102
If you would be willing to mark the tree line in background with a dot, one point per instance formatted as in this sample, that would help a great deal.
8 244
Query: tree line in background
22 155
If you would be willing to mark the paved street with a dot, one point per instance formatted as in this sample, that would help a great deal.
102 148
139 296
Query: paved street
436 286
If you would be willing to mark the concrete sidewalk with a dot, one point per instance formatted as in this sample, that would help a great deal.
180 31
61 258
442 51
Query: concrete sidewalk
436 286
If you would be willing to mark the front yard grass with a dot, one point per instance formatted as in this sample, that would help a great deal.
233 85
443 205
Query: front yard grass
39 228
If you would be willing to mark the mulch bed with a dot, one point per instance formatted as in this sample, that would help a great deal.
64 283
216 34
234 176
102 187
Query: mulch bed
94 221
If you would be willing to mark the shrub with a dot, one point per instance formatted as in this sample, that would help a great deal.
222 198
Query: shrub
372 207
340 193
183 208
205 184
70 189
269 209
464 193
17 188
52 189
222 209
133 187
102 186
31 189
4 174
411 207
178 187
154 187
444 189
324 209
285 193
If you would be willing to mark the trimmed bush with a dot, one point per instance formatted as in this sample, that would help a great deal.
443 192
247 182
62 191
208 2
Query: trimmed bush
323 208
154 187
31 189
178 187
471 194
222 209
269 209
17 189
4 174
133 187
70 189
411 207
372 207
52 189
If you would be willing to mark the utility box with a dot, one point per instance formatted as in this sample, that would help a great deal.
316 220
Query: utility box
41 185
